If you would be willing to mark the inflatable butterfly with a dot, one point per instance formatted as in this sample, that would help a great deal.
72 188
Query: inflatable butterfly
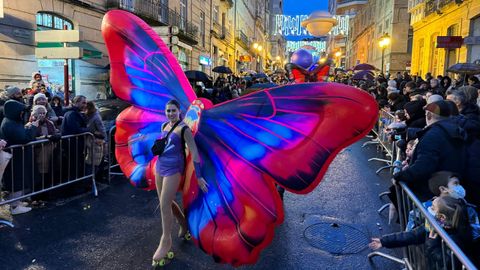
318 73
286 135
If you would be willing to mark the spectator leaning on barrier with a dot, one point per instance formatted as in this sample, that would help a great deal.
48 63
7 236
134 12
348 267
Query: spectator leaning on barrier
96 127
451 214
441 147
17 178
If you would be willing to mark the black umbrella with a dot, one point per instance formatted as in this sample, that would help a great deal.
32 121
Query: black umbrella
465 68
222 69
195 75
364 67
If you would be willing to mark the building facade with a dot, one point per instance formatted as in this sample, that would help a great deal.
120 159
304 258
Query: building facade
447 19
372 21
344 11
210 33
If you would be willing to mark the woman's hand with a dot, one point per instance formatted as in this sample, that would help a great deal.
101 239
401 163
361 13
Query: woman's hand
3 143
375 244
203 184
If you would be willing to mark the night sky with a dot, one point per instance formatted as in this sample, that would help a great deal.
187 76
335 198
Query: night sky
303 7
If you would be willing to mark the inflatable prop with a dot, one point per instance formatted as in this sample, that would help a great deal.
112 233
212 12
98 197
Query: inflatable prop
286 135
304 67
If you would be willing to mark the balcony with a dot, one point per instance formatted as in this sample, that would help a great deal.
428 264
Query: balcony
432 6
226 35
348 3
216 30
156 14
229 2
242 40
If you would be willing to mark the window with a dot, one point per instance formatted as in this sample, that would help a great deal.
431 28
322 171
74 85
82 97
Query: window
202 27
50 21
183 14
215 14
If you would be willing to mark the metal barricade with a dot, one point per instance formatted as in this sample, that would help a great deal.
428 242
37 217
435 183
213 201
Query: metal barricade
112 161
44 165
383 140
414 257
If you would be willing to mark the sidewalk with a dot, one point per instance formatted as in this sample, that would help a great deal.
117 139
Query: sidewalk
121 228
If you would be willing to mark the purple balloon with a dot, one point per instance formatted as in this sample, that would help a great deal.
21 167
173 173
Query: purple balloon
302 57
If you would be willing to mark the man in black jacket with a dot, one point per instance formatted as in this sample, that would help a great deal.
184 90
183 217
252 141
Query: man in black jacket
441 147
73 148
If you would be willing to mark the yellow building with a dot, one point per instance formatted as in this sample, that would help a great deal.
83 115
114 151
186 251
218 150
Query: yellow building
443 18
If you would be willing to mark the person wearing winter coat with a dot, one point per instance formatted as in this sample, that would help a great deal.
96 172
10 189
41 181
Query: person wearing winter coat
96 127
16 178
441 147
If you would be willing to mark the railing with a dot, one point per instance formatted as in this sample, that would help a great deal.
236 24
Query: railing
414 257
243 40
158 12
112 161
384 140
432 6
39 166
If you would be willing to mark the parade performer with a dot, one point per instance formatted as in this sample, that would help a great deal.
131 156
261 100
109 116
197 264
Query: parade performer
286 135
169 170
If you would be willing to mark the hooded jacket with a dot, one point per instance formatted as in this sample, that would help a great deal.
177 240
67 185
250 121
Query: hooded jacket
441 147
12 128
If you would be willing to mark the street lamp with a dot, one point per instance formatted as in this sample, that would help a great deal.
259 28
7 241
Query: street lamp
257 48
383 43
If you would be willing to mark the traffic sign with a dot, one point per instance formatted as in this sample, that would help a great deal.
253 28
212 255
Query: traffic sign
58 36
59 53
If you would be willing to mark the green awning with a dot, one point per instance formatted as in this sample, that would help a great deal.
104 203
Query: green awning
88 50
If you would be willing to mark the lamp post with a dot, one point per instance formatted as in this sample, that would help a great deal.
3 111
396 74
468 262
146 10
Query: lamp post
383 43
258 50
338 56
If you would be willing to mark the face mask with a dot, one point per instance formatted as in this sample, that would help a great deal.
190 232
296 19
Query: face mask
457 192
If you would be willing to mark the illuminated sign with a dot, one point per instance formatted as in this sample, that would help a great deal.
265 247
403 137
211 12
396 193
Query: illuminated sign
287 25
245 58
205 60
320 46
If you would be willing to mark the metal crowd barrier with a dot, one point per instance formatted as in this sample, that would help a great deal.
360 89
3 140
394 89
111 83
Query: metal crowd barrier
382 140
39 166
112 161
414 257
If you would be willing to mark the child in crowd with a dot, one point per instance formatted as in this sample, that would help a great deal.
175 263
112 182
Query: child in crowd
409 153
450 213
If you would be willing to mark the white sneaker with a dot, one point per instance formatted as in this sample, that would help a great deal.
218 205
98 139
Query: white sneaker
20 209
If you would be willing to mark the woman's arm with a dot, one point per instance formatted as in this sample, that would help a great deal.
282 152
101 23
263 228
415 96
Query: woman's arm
192 146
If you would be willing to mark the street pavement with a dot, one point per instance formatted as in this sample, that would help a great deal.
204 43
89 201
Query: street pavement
120 229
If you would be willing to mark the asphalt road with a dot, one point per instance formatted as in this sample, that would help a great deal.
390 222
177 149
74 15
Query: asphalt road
121 228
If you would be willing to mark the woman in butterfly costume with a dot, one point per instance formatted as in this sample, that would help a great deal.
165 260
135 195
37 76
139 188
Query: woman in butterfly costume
286 135
169 169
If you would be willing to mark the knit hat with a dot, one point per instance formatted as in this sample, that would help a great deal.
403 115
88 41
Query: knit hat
434 98
440 108
12 90
37 96
392 83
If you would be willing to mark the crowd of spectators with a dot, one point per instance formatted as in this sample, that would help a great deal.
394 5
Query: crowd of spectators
37 114
437 128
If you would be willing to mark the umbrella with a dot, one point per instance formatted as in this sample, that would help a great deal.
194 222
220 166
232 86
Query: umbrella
465 68
279 71
257 87
364 67
364 75
195 75
260 75
222 69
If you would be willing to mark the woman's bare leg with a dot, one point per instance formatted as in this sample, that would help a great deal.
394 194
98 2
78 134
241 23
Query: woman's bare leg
168 189
178 213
